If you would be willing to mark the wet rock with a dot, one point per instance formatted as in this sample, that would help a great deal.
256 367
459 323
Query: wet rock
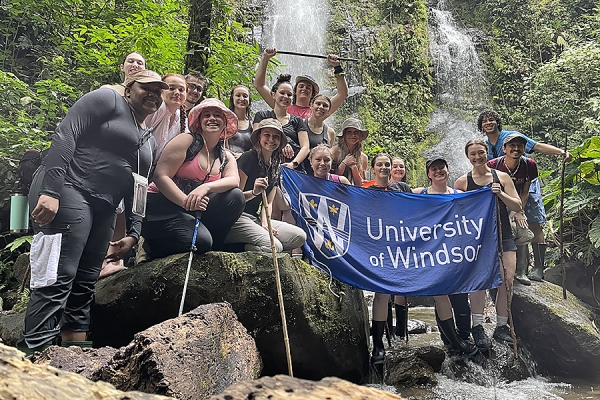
327 335
23 380
559 333
578 281
11 325
420 301
190 357
85 362
283 386
404 367
21 269
416 327
434 356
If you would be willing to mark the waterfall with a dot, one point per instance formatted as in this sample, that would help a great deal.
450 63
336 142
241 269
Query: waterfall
460 88
300 26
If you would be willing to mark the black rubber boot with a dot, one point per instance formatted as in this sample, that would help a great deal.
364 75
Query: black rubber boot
378 350
401 320
462 314
448 329
442 336
390 320
539 258
522 264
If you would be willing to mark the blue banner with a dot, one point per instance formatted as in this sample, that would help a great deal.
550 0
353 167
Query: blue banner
394 242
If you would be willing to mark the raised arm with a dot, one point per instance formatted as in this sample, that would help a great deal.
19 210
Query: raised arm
260 81
342 84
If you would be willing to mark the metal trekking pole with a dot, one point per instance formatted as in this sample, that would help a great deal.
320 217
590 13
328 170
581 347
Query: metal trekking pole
187 274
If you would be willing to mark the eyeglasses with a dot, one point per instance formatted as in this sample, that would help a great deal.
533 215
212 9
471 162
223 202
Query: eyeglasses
191 87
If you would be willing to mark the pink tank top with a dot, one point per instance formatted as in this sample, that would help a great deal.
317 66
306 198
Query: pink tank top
189 170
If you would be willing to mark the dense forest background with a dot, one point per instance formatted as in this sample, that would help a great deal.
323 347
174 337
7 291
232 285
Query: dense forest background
542 59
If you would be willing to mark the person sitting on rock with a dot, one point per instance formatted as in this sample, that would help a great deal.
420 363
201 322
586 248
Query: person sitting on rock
438 174
195 179
522 170
259 170
490 123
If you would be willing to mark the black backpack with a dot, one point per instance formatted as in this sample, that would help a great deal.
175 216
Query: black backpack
28 164
196 146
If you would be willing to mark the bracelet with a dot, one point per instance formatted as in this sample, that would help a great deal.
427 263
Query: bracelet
340 74
254 194
338 69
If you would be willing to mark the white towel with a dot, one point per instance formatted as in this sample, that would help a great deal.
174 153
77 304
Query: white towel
43 257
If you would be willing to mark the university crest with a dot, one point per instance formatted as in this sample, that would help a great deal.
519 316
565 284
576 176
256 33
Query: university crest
328 222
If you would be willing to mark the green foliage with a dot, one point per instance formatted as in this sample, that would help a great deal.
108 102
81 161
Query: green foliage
21 304
581 210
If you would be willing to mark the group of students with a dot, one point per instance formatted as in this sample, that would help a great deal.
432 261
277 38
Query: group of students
212 164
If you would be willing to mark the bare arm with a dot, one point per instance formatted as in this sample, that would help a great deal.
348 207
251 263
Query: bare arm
304 147
342 86
461 183
509 195
344 180
548 149
330 136
260 80
169 162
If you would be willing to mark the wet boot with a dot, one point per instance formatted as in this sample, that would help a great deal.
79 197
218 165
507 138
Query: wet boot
378 350
29 351
447 328
462 314
390 321
522 264
83 344
401 320
445 340
539 258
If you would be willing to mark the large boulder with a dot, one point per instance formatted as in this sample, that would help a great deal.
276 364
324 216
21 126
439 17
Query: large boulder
327 335
559 333
11 325
85 362
20 379
285 387
405 367
190 357
578 281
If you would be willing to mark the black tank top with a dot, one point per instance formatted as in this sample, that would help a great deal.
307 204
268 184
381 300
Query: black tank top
506 229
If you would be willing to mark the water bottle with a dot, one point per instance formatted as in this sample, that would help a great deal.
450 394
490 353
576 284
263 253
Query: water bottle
19 209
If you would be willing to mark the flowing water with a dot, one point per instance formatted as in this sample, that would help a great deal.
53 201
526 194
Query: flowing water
460 88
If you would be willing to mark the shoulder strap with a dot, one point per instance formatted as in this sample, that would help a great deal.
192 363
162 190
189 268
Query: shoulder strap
424 191
498 159
195 147
334 177
495 178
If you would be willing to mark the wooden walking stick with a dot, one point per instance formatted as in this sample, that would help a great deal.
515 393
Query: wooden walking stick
295 53
561 231
286 339
509 290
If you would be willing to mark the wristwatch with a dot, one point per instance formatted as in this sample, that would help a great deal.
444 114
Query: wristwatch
295 164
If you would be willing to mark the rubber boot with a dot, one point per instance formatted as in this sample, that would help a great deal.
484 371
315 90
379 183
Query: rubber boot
401 320
462 314
390 321
29 351
539 258
448 329
522 264
442 336
378 350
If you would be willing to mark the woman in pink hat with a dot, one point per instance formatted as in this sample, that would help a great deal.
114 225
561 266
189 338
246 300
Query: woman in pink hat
195 178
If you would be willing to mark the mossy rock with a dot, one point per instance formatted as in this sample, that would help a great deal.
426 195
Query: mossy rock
328 335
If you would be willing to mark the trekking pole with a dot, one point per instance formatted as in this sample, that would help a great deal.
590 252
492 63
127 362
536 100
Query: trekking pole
286 339
187 274
561 231
295 53
509 290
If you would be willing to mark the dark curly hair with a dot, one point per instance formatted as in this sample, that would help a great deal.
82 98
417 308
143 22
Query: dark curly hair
490 114
283 78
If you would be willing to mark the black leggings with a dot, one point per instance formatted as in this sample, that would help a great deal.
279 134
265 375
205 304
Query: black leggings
169 229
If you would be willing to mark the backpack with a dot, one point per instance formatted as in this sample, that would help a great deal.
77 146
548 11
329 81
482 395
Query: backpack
197 145
28 164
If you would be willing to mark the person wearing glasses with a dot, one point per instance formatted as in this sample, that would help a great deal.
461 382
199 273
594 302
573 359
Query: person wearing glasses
196 86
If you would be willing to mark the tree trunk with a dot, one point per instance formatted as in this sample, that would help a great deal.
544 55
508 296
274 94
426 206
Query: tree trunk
198 43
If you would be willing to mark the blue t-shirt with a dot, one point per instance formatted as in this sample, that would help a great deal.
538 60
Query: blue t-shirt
495 151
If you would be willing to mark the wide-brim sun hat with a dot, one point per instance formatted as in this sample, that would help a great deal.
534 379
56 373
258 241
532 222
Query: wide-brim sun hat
231 125
356 124
145 76
310 79
268 123
432 160
514 137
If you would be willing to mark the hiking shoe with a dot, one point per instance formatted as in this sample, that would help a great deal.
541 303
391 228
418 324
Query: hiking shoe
482 341
502 334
